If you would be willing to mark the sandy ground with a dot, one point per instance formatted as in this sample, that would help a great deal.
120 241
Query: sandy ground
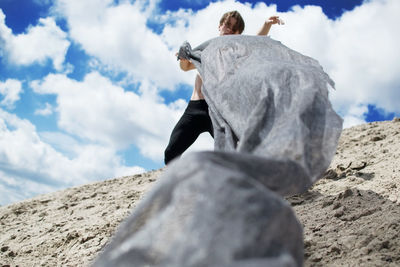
68 228
351 217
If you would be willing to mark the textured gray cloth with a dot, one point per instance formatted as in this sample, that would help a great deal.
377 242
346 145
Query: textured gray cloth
271 98
275 134
204 213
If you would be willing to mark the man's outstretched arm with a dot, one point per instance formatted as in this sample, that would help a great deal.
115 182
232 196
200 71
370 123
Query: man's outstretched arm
268 23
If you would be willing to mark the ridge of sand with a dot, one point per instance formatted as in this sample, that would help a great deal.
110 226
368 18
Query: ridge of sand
351 216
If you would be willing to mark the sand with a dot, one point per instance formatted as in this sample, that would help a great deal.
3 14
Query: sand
351 217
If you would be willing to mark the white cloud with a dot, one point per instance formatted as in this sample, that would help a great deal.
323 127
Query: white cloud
117 35
97 110
355 116
13 189
203 142
358 50
61 142
203 25
10 89
368 66
40 43
26 159
46 111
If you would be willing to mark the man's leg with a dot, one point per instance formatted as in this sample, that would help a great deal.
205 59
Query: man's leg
182 137
194 121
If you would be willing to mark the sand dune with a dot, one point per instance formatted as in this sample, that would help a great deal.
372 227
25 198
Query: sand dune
351 216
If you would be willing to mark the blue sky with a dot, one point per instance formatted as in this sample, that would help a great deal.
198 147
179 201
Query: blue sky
90 90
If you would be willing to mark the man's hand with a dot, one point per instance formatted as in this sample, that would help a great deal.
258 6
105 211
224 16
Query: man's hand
268 23
185 64
275 20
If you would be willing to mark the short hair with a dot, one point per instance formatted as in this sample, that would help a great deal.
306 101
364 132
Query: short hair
239 26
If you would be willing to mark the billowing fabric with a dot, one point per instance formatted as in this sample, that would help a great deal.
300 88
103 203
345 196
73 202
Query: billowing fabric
266 99
275 134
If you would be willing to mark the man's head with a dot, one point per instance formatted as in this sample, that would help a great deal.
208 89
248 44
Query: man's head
231 23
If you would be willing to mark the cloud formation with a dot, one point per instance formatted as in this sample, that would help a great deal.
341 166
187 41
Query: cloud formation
26 159
118 36
99 111
11 90
45 41
358 50
46 111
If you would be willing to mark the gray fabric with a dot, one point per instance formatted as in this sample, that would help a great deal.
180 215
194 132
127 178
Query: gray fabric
203 213
271 98
275 134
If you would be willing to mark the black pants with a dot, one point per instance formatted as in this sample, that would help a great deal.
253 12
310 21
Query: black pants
194 121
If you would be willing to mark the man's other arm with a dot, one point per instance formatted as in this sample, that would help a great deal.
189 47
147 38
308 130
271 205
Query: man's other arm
267 25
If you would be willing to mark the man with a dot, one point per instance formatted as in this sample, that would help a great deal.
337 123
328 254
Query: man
196 120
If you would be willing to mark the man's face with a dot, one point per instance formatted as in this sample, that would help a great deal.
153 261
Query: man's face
227 27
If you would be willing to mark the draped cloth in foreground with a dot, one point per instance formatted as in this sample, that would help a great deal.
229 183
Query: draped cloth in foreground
275 134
